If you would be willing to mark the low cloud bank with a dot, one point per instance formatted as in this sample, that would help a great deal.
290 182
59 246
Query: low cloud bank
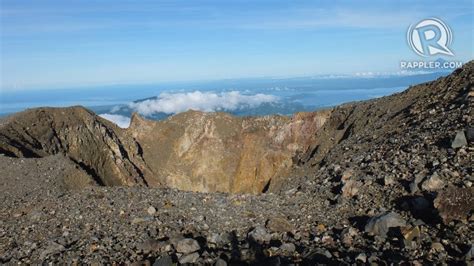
172 103
120 120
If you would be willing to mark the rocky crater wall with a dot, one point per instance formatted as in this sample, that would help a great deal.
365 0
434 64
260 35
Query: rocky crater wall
195 151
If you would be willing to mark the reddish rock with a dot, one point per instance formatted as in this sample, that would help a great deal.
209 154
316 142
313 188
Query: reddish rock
455 203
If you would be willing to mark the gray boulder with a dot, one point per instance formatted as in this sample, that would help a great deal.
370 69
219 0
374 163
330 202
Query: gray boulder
433 183
187 245
189 258
379 225
163 261
459 141
260 235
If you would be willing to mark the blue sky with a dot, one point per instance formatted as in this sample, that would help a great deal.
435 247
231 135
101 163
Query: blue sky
61 44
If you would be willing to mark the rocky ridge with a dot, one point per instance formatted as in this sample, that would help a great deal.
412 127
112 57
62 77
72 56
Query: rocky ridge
195 151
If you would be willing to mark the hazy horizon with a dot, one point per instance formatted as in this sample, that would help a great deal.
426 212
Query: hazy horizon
239 96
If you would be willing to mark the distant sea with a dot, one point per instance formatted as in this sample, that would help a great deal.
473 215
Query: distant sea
258 96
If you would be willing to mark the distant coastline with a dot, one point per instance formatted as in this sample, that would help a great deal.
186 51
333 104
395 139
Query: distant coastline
295 94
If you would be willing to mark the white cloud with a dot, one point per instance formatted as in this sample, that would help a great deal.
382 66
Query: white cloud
120 120
172 103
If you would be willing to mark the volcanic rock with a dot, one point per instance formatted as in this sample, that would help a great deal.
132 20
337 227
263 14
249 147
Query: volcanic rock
189 258
460 140
433 183
187 245
163 261
379 225
351 188
279 224
260 235
455 203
